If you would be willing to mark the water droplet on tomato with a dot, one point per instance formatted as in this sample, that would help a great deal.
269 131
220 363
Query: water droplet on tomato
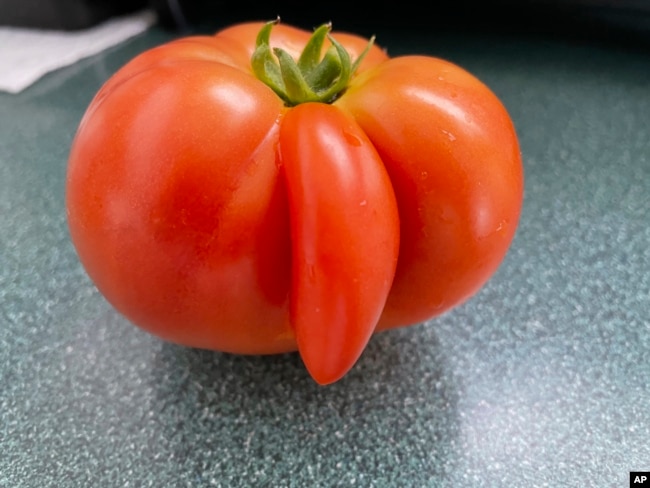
352 138
449 135
311 272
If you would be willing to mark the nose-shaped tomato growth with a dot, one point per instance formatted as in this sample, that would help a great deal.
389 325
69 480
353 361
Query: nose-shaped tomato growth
266 190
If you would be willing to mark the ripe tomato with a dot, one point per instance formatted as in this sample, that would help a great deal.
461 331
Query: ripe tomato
222 195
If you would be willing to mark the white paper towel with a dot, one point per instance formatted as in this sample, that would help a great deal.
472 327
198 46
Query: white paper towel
27 54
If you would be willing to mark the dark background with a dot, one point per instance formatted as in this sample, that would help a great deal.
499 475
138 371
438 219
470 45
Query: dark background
612 20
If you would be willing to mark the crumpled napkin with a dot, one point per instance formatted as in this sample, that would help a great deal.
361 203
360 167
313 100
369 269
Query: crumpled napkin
28 54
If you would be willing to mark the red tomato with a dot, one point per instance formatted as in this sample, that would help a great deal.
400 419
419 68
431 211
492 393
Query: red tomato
218 203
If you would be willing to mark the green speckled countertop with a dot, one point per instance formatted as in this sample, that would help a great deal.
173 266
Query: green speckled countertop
542 379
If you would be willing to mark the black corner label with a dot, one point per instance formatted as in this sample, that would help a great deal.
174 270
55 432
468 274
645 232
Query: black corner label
640 479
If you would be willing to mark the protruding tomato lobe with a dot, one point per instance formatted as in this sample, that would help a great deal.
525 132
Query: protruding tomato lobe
341 205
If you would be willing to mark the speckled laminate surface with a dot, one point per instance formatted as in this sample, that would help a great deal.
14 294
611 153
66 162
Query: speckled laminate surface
542 379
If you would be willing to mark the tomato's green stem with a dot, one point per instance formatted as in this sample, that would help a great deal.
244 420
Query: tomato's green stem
313 78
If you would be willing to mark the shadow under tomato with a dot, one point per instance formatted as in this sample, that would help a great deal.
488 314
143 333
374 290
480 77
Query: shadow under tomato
392 417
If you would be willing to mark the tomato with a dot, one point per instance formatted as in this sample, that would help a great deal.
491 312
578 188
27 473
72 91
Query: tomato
266 190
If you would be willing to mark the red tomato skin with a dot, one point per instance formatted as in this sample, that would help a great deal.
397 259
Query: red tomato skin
197 201
192 48
453 157
177 210
344 232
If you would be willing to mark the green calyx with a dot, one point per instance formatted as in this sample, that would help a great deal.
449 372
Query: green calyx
310 79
